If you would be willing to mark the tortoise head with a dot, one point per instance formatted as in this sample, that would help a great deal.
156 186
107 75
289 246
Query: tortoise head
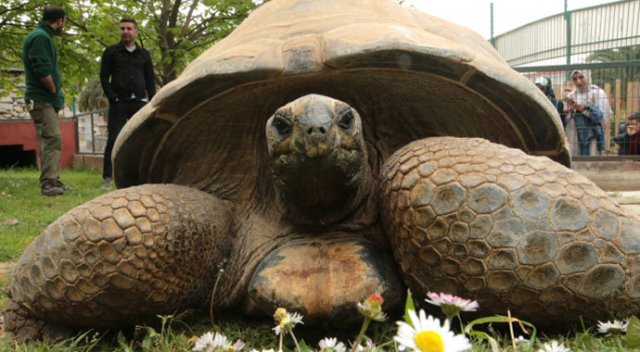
318 159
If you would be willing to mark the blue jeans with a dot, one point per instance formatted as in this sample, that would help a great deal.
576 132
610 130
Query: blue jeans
588 131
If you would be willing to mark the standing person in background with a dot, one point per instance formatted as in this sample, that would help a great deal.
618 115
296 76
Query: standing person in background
126 75
544 84
590 111
44 96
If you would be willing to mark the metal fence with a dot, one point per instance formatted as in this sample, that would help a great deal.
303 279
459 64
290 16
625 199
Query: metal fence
619 80
604 40
92 132
570 37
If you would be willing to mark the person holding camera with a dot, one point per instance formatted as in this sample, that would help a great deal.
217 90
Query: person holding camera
629 139
544 84
589 108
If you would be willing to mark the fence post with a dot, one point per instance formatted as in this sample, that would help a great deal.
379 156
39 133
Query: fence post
636 97
493 39
630 89
607 126
618 102
74 117
93 137
567 18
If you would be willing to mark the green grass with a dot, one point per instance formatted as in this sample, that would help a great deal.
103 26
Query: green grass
20 199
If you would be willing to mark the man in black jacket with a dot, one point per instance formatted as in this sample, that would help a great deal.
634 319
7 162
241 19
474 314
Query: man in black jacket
126 75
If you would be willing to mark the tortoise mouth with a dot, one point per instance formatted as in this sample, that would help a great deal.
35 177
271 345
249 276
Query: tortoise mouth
320 189
320 158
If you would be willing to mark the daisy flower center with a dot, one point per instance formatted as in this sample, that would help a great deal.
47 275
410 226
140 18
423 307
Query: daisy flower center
429 341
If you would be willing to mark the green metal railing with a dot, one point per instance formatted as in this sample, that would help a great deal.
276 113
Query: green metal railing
571 36
620 80
604 40
91 132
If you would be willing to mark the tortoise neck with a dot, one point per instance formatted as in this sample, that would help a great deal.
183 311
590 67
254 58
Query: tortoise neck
318 193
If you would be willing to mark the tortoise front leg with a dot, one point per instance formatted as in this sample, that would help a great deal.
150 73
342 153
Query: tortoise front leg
513 231
120 259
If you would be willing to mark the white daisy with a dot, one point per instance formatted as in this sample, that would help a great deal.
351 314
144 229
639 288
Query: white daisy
615 327
554 346
369 346
425 334
286 321
451 304
210 341
331 344
520 339
237 346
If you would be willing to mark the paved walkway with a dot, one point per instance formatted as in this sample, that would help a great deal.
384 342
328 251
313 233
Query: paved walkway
629 200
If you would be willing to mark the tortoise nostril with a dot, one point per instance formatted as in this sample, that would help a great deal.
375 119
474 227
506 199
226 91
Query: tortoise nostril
316 131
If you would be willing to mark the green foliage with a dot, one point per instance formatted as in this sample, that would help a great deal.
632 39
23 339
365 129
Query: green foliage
633 333
92 98
601 76
86 342
472 331
174 31
408 305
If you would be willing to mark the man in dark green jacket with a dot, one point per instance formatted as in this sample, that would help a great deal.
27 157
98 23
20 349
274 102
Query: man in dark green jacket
43 95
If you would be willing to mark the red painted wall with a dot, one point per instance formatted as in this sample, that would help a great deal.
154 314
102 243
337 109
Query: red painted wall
23 132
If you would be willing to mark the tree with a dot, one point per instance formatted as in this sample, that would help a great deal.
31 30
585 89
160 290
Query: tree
625 74
174 32
92 98
185 28
14 18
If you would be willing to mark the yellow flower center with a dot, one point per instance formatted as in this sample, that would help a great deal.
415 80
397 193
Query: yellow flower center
429 341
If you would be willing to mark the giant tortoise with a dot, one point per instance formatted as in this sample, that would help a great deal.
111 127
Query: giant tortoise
323 151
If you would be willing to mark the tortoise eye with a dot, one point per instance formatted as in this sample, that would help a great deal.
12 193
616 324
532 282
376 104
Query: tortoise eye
346 120
282 125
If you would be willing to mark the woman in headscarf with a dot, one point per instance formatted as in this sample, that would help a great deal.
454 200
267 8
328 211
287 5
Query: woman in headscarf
589 110
544 84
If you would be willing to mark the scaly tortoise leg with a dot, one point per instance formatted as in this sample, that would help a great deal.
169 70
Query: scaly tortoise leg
513 231
120 259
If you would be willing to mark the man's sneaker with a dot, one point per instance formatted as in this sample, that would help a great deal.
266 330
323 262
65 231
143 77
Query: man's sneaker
50 188
106 183
63 186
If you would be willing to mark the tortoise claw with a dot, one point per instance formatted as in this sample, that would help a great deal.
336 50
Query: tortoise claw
21 325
